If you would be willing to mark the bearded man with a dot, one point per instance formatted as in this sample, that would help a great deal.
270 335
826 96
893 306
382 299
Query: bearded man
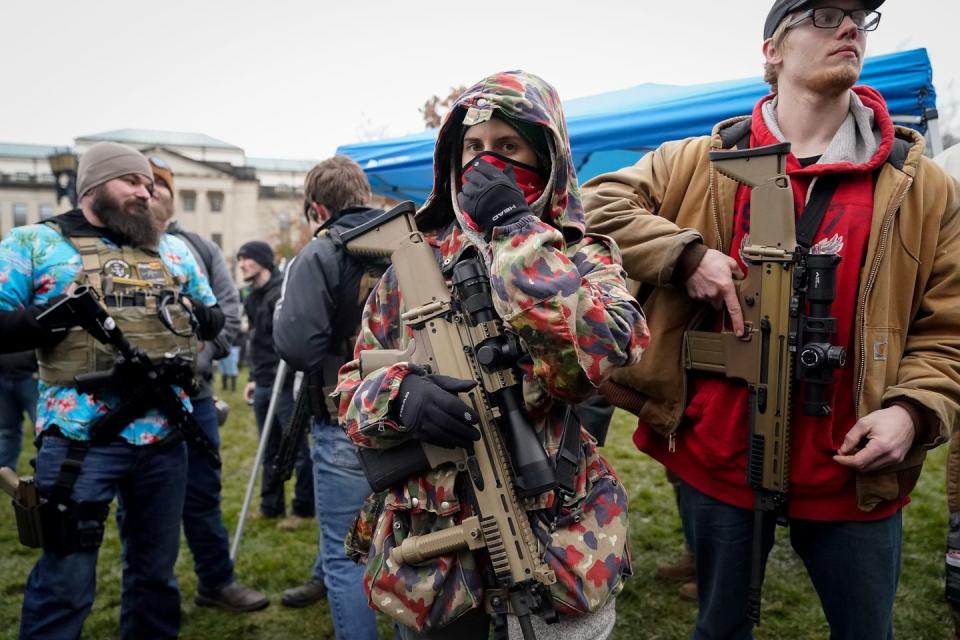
113 244
891 216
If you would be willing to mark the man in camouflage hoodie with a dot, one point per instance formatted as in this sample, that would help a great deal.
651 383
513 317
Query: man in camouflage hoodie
505 191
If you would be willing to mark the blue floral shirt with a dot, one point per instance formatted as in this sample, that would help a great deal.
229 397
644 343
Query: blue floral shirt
36 264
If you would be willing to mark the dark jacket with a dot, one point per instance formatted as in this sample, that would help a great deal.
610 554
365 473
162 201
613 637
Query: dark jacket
259 307
318 315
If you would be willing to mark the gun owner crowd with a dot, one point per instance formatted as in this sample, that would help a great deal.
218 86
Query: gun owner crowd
775 306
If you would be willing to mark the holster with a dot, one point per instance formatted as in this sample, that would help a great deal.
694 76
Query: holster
56 527
72 527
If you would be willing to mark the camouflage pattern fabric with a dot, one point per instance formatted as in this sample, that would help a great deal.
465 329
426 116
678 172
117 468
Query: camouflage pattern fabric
564 293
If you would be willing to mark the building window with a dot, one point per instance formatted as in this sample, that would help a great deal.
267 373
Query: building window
46 211
189 200
19 214
217 239
215 198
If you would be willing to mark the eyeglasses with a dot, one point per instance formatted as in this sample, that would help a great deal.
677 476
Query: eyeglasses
832 17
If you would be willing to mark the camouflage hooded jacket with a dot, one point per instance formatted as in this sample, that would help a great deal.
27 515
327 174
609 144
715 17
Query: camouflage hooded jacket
563 292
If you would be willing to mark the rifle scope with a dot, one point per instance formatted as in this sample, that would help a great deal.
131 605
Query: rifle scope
533 470
816 356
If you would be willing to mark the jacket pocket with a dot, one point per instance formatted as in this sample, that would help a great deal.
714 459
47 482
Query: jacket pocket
891 483
909 234
433 593
359 537
588 548
883 347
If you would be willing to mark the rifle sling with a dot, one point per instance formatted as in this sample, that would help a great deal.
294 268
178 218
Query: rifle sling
69 472
568 457
815 209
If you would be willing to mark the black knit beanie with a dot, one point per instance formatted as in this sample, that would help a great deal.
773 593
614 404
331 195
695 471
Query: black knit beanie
258 251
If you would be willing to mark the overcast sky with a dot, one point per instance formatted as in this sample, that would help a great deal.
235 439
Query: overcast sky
296 78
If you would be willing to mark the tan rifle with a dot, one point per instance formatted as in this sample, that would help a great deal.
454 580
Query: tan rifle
456 335
782 278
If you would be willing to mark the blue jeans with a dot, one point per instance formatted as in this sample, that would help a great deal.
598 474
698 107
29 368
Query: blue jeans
228 365
272 500
854 568
340 491
149 484
202 519
18 396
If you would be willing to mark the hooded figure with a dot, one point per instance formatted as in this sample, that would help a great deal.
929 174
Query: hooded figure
563 293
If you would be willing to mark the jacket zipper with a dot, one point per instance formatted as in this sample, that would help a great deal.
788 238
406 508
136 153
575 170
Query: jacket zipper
885 231
716 210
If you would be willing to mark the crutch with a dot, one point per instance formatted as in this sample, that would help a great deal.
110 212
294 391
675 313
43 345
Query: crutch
258 460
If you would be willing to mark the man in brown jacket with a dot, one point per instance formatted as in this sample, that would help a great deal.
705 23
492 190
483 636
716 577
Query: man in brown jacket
893 218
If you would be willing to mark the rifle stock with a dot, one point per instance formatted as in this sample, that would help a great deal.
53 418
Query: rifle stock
446 343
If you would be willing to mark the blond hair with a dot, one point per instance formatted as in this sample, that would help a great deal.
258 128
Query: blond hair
770 72
336 183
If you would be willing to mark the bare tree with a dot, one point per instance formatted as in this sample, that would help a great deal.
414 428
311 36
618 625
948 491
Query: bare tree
436 107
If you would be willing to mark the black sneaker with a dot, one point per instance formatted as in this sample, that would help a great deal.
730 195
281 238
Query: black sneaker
305 595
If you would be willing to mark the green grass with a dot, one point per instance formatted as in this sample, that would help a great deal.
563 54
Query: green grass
271 560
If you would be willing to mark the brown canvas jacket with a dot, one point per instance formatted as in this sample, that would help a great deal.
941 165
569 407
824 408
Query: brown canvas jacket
907 341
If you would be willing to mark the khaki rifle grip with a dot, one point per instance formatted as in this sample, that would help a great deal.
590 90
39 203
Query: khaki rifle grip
416 549
373 359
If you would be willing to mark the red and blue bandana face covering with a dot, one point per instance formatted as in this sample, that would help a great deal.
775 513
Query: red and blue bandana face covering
529 180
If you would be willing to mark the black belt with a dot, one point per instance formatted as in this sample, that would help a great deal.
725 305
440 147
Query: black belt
171 439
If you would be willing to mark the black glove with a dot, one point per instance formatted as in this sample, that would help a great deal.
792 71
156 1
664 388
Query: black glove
28 330
491 197
210 320
429 410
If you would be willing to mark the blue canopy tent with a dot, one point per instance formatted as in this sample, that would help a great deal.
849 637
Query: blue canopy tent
614 129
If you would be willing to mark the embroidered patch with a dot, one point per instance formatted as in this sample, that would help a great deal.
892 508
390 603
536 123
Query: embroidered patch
476 116
116 268
151 271
880 349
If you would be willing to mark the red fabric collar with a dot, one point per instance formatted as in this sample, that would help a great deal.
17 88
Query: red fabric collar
760 135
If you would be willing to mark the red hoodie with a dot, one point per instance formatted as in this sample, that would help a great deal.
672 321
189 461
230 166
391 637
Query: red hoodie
711 444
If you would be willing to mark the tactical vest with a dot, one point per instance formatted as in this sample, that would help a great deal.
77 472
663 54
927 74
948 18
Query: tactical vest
132 284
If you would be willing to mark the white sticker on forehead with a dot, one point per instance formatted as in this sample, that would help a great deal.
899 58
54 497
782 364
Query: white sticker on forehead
476 116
